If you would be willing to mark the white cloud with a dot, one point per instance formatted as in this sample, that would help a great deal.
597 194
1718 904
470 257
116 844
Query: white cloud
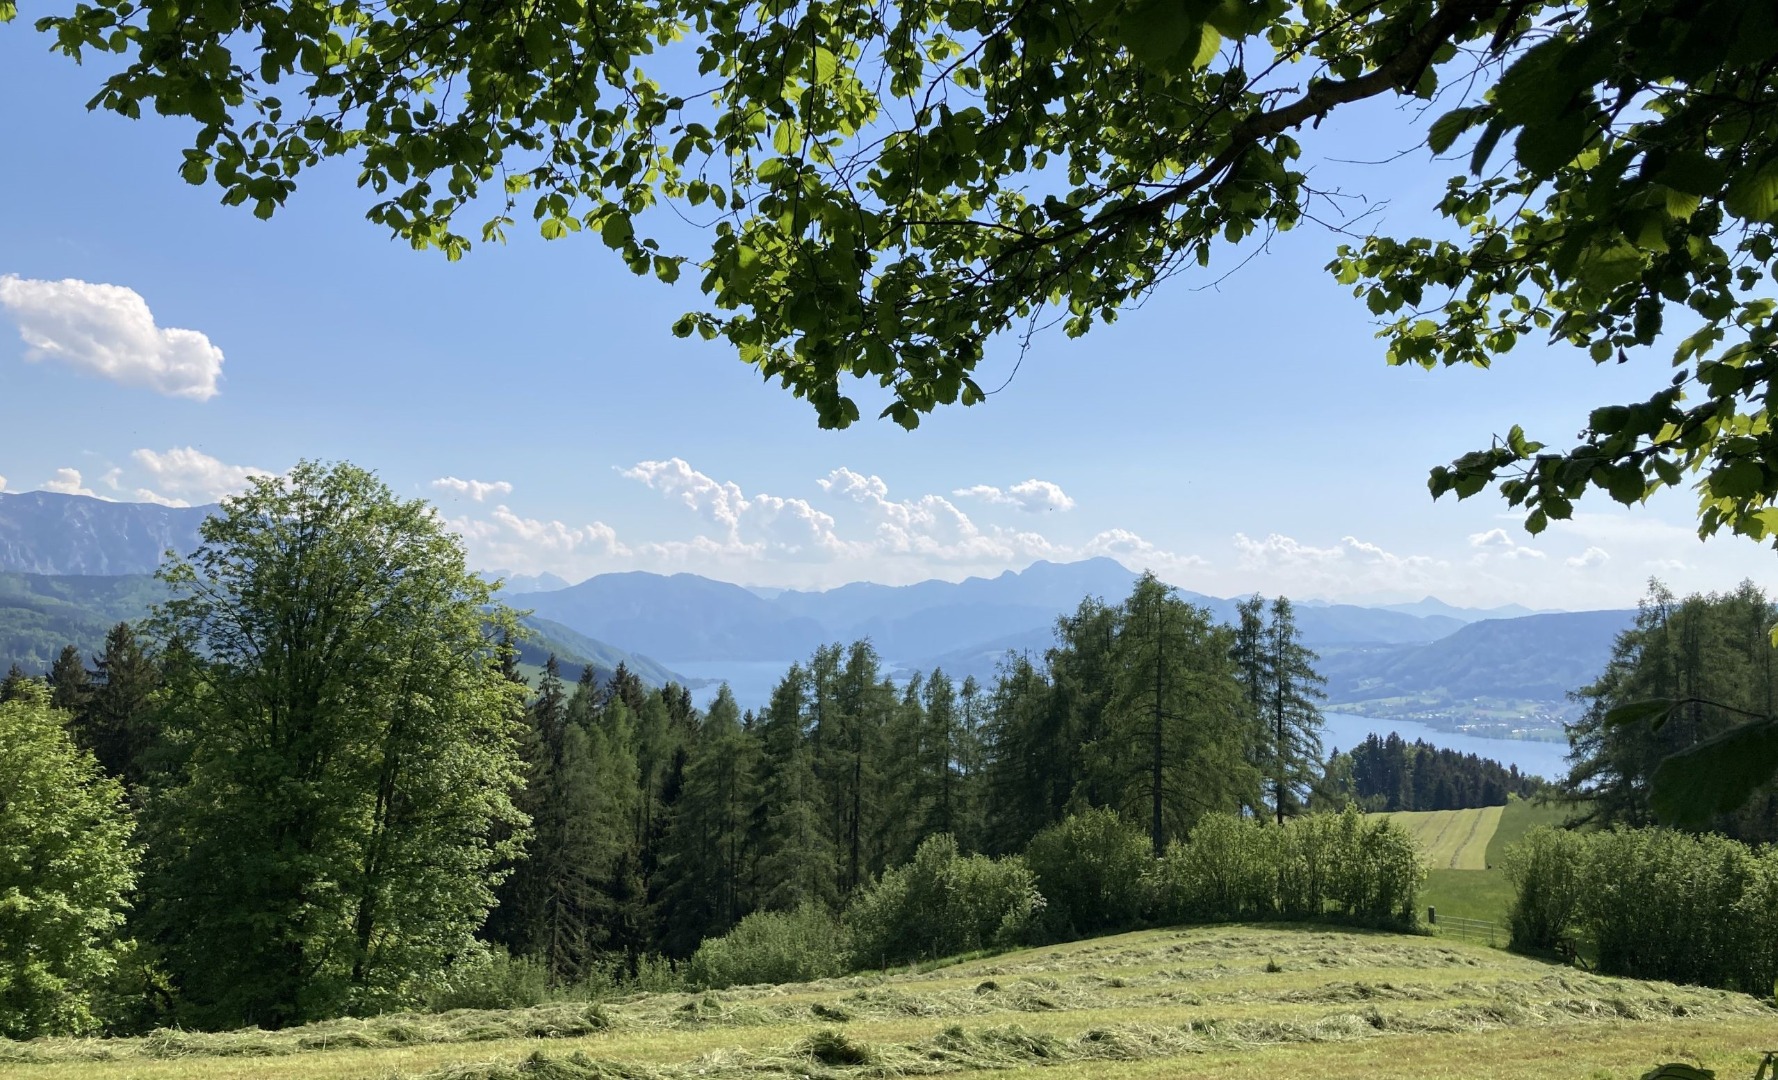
531 545
1031 496
1496 543
183 474
2 483
750 526
475 489
108 330
67 482
1593 556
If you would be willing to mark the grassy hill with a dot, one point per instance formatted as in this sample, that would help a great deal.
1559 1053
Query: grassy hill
1239 1002
1452 839
1465 848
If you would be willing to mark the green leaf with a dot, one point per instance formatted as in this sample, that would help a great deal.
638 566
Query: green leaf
1754 196
826 64
1156 31
1653 711
1739 479
1716 776
617 230
1448 127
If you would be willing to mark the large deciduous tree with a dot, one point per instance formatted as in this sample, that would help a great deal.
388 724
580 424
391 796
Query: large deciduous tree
66 870
349 753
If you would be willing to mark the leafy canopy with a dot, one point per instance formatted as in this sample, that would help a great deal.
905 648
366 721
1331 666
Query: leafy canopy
884 188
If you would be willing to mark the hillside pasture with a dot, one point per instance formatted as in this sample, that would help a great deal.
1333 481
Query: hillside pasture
1237 1001
1452 839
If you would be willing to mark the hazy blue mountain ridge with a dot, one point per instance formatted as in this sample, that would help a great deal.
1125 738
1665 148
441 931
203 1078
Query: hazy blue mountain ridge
43 532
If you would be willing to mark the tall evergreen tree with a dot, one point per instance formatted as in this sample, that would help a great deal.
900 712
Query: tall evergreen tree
1292 715
796 849
1174 743
17 685
120 725
71 685
703 869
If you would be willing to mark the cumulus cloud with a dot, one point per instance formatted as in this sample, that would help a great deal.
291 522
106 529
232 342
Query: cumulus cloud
1031 496
474 489
750 525
183 474
1593 556
108 330
68 482
533 545
852 527
1496 543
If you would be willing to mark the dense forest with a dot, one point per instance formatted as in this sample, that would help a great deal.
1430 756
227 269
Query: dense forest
1390 773
316 782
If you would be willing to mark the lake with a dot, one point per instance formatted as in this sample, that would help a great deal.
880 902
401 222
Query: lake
752 682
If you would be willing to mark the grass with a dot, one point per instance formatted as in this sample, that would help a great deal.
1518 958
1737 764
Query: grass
1465 879
1238 1001
1452 839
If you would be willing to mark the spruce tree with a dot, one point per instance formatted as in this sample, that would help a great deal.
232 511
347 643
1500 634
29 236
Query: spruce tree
16 685
1293 717
71 685
120 725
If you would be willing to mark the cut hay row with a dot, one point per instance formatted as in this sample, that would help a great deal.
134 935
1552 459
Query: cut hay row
1452 839
1166 991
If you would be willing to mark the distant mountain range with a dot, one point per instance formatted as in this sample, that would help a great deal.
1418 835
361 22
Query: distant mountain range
45 533
1428 651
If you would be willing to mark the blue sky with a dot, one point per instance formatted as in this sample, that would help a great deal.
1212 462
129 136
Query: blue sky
1234 437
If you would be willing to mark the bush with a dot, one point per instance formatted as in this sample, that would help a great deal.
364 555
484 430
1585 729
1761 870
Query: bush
1652 904
1344 866
942 903
1546 872
1092 871
771 947
490 979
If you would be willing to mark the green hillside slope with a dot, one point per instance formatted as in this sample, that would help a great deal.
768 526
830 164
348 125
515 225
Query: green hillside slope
1241 1001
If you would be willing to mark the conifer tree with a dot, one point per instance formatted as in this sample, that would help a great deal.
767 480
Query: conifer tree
120 725
1293 717
16 685
71 685
703 867
1174 748
796 848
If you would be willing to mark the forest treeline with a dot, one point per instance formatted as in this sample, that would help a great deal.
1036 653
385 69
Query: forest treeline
1713 652
1388 773
315 783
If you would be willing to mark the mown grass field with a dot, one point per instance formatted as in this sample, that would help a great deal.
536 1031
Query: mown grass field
1452 839
1241 1001
1465 849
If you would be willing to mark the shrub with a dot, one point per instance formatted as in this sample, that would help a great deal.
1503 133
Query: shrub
771 947
1546 872
1224 872
490 979
942 903
1091 869
1651 904
1344 866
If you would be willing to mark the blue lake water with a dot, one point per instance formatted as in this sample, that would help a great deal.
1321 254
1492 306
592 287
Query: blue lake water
752 681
